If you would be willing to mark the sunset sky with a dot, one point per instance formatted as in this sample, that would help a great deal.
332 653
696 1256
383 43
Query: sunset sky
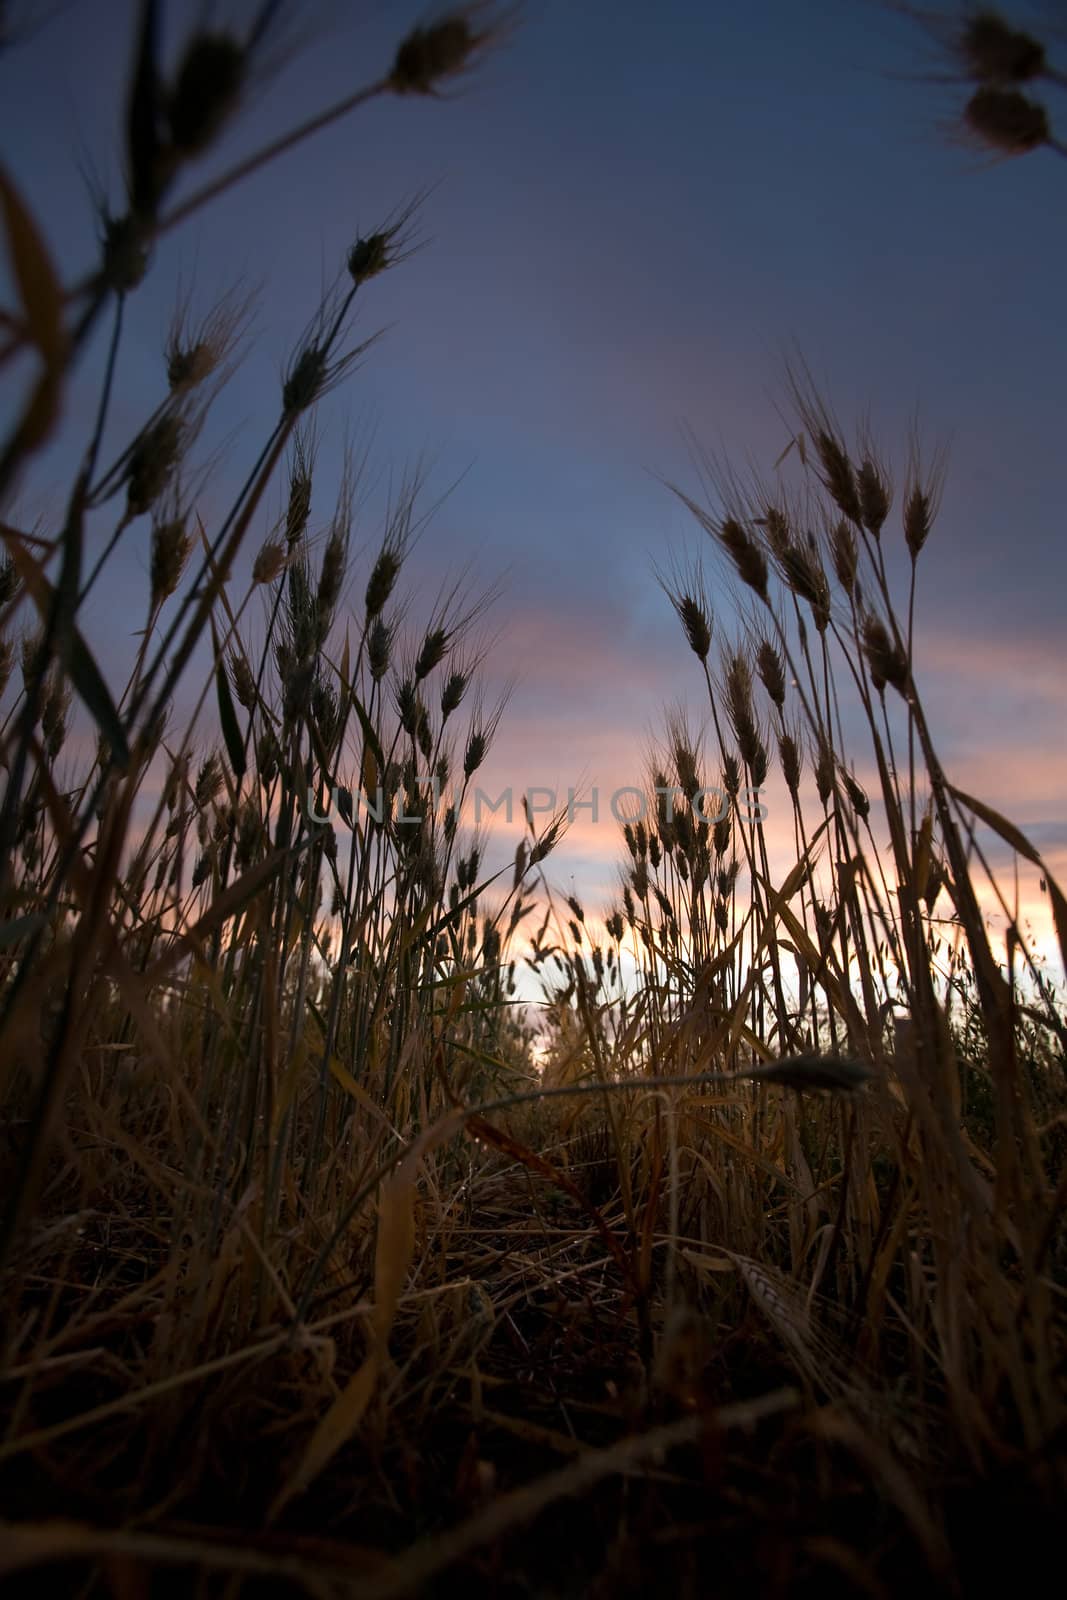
636 210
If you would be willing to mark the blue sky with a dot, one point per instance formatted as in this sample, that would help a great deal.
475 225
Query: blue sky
636 210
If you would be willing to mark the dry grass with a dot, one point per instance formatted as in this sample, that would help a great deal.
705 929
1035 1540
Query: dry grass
311 1282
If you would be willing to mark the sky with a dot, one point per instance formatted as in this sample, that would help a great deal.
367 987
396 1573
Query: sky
634 213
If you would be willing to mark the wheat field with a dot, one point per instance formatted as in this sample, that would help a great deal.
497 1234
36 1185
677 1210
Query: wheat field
333 1262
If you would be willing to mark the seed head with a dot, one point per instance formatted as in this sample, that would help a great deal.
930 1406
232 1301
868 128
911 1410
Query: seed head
188 365
739 702
300 612
269 563
993 52
918 519
125 255
306 378
432 653
203 867
206 90
247 833
376 252
837 474
299 507
171 548
874 494
888 664
844 554
452 693
369 256
297 682
747 557
430 55
775 525
664 904
152 462
789 755
407 706
383 577
208 782
193 352
244 685
547 842
802 571
685 766
325 712
1007 120
720 835
695 617
54 717
771 671
425 736
639 877
174 783
331 577
33 658
861 805
815 1072
267 757
475 753
379 647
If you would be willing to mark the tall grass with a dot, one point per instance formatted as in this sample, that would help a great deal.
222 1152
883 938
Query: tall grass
323 1265
927 1210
